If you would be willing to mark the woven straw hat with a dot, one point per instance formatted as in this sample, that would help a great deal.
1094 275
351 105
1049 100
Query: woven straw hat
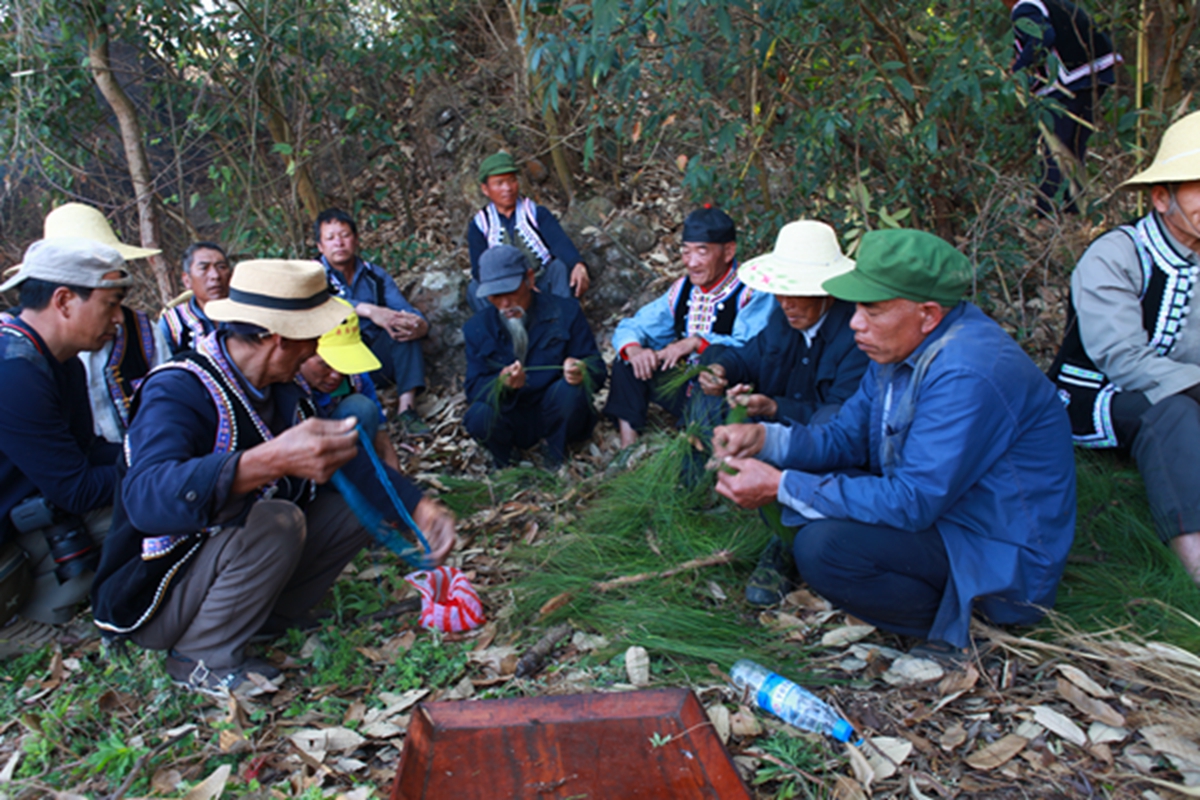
806 255
290 298
1178 156
79 221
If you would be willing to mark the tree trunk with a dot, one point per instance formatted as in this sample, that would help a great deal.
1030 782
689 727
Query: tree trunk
131 139
281 133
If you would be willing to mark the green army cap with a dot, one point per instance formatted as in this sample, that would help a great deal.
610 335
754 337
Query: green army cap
496 164
915 265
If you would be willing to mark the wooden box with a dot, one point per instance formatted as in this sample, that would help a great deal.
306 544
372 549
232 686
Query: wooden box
651 744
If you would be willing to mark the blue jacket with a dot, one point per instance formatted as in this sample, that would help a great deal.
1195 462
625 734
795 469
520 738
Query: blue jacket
799 378
177 485
371 284
982 452
557 330
47 441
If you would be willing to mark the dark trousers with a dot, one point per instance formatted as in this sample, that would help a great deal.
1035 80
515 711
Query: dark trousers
891 578
1165 449
1075 137
629 398
403 363
279 564
561 414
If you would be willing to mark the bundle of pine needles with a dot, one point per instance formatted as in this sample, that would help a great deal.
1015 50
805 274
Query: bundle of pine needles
647 521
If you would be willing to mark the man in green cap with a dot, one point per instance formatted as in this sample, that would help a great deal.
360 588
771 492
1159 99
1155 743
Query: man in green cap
512 219
968 502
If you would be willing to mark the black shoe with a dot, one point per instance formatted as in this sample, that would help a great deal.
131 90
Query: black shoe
769 583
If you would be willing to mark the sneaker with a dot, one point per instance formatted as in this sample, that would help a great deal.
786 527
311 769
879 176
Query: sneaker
414 426
769 583
23 636
188 673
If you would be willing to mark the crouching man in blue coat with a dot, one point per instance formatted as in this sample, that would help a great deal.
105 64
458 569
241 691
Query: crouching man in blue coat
222 528
513 405
969 498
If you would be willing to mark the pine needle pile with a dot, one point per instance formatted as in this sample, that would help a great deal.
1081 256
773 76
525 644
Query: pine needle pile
1119 573
643 523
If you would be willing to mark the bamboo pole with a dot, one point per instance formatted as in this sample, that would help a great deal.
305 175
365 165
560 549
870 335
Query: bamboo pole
1138 99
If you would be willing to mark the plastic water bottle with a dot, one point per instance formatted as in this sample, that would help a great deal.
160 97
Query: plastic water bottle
791 703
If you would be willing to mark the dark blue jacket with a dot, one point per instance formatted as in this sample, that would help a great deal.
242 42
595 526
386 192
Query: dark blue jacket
557 330
799 378
549 229
175 487
47 441
966 435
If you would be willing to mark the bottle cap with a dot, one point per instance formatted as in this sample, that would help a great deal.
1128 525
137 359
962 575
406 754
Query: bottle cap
842 731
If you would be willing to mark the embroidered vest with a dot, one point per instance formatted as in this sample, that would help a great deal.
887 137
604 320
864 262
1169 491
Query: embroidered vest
1167 283
185 325
528 238
130 360
700 313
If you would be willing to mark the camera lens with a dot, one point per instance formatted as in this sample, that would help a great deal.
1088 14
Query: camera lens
73 551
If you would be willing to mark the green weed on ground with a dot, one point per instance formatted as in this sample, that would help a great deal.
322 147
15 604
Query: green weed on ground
1119 573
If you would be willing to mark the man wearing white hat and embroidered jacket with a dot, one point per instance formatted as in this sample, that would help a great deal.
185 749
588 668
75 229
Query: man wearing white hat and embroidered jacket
222 528
1129 368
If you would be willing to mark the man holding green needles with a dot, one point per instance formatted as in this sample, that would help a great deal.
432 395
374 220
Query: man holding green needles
532 363
968 501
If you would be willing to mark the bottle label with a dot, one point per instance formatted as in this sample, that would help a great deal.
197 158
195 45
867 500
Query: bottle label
775 694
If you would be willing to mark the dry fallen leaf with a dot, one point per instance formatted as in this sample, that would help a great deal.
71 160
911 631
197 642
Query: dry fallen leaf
166 780
1078 677
997 753
847 634
807 600
1059 724
1097 710
953 737
744 724
908 671
637 666
958 681
846 788
210 787
863 770
1182 752
885 754
1099 733
319 740
718 714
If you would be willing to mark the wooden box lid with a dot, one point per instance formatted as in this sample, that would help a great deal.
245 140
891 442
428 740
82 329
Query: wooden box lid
567 746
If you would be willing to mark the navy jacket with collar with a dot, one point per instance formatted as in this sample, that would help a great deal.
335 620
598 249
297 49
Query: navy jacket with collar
799 378
557 330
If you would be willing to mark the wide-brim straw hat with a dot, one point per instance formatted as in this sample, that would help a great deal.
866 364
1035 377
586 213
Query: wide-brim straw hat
1178 156
79 221
806 255
290 298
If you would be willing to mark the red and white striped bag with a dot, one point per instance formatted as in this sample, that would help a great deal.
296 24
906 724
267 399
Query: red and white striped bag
448 600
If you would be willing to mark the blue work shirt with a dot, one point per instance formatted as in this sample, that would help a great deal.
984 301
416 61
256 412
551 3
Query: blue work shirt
370 284
985 459
47 442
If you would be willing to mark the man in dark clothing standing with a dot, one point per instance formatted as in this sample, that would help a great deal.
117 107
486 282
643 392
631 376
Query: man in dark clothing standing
57 476
513 406
1085 60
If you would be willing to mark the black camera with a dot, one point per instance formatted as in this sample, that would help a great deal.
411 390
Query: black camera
71 546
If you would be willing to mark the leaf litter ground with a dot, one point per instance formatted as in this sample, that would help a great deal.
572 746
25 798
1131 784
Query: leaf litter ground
1101 701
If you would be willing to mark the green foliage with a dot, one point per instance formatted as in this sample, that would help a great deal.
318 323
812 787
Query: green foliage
800 753
114 758
428 662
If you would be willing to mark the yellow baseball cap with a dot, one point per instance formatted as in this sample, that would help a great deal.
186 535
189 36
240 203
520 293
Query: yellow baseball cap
343 348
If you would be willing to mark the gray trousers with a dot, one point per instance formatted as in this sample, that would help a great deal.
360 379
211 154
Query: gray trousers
278 565
1166 449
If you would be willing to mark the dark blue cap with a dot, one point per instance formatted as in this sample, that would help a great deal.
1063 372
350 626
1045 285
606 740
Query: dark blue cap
709 225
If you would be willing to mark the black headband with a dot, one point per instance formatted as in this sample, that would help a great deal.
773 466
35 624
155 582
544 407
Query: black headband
280 303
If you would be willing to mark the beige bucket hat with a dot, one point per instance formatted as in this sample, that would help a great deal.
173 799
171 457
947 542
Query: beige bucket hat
806 255
79 221
290 298
1178 156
